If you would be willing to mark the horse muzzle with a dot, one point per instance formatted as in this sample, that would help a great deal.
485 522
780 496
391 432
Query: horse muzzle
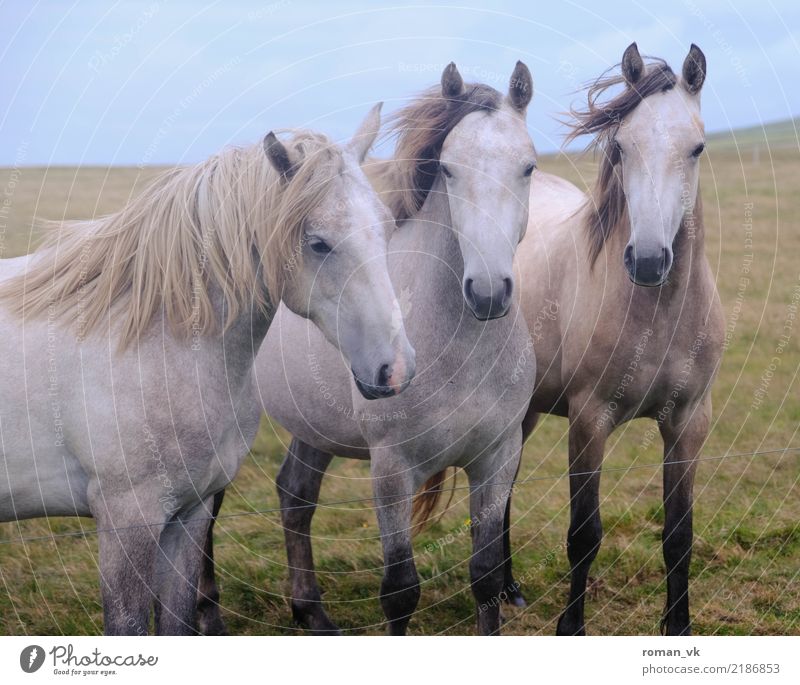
488 299
649 270
390 379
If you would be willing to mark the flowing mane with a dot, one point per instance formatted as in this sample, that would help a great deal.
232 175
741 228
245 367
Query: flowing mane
606 207
193 229
421 128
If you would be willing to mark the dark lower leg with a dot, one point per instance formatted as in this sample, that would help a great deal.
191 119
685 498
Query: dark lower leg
489 501
209 619
181 552
677 547
392 483
299 482
400 589
127 566
511 588
585 530
682 443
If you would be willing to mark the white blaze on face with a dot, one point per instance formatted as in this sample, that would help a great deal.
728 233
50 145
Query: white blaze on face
660 170
486 162
349 293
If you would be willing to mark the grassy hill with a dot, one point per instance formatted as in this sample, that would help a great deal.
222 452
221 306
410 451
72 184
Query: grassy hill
778 134
745 562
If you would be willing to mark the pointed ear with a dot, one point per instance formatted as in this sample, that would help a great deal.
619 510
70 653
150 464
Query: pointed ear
278 156
520 87
632 65
364 137
452 83
694 70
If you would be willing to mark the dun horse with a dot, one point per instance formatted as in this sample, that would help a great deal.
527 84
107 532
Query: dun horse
459 185
128 345
633 325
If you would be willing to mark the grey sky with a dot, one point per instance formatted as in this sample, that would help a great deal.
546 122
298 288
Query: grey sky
98 82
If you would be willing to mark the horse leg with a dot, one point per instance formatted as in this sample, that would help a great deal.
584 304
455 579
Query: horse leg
683 436
209 619
299 481
128 546
393 485
586 445
490 487
512 589
182 547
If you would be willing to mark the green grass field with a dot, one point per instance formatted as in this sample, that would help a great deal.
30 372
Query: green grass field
747 515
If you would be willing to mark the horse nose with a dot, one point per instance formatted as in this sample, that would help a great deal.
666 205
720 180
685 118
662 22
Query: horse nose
378 387
487 299
391 378
650 269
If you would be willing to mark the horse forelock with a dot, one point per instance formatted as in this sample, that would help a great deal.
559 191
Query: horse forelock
421 129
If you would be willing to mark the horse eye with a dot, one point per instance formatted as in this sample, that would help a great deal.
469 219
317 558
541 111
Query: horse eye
319 246
698 150
529 169
446 171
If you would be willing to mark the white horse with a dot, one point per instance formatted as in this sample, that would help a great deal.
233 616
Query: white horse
458 184
128 342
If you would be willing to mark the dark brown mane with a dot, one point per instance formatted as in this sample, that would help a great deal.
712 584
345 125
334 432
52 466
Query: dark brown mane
602 119
421 128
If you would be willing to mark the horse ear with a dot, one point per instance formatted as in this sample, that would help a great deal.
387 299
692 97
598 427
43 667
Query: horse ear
694 70
632 65
520 88
365 136
278 156
452 83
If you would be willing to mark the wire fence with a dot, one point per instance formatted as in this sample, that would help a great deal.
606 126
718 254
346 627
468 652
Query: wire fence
365 500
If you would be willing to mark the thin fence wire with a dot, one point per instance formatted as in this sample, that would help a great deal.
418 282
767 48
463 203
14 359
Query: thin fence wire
364 500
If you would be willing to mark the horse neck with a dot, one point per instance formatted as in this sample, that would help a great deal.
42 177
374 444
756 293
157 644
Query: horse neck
690 244
434 234
237 345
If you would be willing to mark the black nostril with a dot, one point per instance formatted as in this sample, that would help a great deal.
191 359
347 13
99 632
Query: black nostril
383 376
628 258
509 288
468 291
665 260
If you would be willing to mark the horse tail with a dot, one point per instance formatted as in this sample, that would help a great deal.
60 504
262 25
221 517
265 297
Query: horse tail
427 499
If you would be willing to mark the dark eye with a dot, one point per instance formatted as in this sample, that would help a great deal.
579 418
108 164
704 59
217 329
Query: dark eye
698 150
319 246
446 171
529 169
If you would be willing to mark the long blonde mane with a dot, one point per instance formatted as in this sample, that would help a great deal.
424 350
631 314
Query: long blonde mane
193 229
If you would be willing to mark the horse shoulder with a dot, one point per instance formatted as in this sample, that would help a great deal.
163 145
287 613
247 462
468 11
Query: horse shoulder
305 386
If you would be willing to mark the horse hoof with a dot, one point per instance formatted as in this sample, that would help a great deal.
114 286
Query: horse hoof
564 628
517 601
213 627
316 622
321 625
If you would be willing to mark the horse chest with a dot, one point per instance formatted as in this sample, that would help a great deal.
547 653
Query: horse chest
469 392
644 373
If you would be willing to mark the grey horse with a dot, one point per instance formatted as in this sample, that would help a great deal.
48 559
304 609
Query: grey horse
128 348
459 185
